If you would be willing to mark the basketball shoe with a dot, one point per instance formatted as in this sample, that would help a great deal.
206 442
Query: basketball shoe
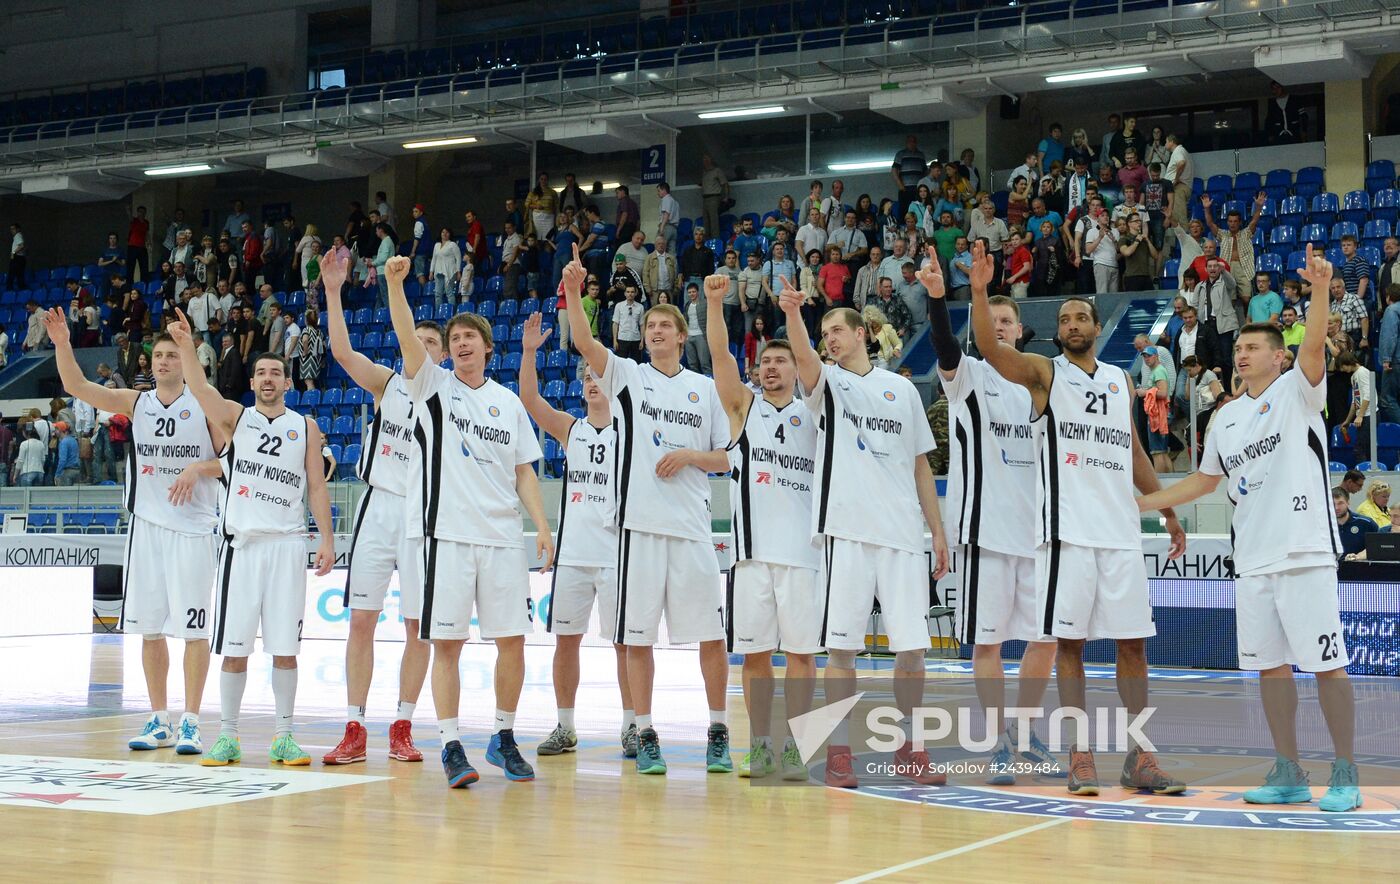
1140 771
460 772
757 762
838 767
560 740
226 751
351 747
999 766
1040 755
793 768
156 734
913 764
1343 789
503 752
284 750
649 760
189 742
629 741
1287 783
1083 776
717 758
401 746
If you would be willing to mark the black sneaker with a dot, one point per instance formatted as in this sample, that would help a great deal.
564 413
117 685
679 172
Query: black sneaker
460 772
505 754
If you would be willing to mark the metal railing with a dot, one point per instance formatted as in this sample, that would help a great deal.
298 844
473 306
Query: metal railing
812 63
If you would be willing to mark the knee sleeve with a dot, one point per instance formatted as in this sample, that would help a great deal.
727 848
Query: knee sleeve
909 661
841 659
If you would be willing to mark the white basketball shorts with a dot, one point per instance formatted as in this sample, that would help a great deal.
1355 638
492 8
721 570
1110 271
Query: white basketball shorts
462 577
1090 593
857 574
1290 617
571 595
166 581
657 573
996 597
261 583
378 548
771 606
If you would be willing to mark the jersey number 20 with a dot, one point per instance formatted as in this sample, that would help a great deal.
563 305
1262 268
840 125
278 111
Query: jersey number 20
165 427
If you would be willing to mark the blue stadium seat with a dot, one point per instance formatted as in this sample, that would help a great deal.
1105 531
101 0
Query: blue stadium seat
555 391
372 340
291 399
363 316
1325 207
104 523
353 397
1344 228
1385 205
310 399
76 522
1291 210
1372 466
510 367
506 310
1283 239
1308 183
352 457
324 425
1356 207
1335 467
1377 228
528 306
1312 233
486 310
1380 175
1271 263
1218 186
342 426
1294 262
331 397
574 394
337 452
356 341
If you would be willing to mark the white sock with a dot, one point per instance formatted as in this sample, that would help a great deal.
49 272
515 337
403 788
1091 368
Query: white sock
284 696
190 716
231 685
406 710
504 720
643 721
629 719
355 714
447 727
566 719
718 716
161 716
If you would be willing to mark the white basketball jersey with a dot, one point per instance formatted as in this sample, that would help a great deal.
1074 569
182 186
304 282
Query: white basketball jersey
1084 441
1272 449
265 477
164 440
871 427
588 501
773 465
991 460
387 455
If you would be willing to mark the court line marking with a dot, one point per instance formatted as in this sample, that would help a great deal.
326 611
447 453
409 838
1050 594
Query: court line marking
966 848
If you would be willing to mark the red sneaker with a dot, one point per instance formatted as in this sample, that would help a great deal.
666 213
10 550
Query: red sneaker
838 767
915 766
351 748
401 746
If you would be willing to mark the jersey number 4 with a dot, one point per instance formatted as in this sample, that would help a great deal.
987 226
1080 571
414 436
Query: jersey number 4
780 434
1097 403
165 427
269 445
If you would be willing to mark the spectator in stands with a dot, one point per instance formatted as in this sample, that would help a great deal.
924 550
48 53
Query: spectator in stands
1285 119
302 251
1047 261
1079 149
595 245
1156 396
1128 139
206 262
908 167
697 350
1389 356
1107 183
1020 263
252 255
628 217
233 224
1029 170
172 235
959 269
893 309
1363 404
1052 148
1236 241
659 271
386 211
1105 152
881 340
933 179
1040 214
1156 198
754 341
1351 483
867 276
232 380
138 314
622 276
311 350
275 327
1156 150
4 348
388 245
1376 506
908 289
143 380
1208 254
1214 302
627 324
813 234
512 251
1356 273
113 257
208 359
541 206
29 462
514 215
85 320
275 254
1293 330
476 239
669 211
714 190
747 240
1206 394
787 216
775 269
634 250
7 451
66 468
1133 173
834 278
1356 320
1265 304
1018 202
698 261
109 378
898 256
14 277
571 196
1353 528
446 268
1180 174
1139 256
230 262
138 231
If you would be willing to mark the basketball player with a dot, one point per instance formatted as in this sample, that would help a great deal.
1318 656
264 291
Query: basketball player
479 452
586 566
1271 446
171 552
1091 581
671 433
380 544
993 446
272 471
875 493
774 598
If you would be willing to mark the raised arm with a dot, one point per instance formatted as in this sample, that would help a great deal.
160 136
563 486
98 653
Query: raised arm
1210 216
553 421
222 413
96 395
581 330
1030 370
362 370
733 394
809 364
319 499
1312 360
414 353
1260 199
945 343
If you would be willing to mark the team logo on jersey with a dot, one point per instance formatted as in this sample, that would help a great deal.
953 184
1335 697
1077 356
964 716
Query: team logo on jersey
385 450
795 421
693 397
1113 388
576 497
763 479
889 395
656 438
1071 458
243 491
466 452
148 470
860 442
1264 409
185 415
494 411
292 435
1243 487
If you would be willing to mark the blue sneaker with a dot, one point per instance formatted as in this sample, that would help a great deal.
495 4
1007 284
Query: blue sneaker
188 742
717 758
505 754
1287 783
1343 789
156 735
460 772
1047 765
999 767
649 760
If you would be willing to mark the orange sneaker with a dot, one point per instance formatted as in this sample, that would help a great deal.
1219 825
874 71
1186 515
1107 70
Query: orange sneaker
1083 776
838 767
914 765
1140 772
351 748
401 746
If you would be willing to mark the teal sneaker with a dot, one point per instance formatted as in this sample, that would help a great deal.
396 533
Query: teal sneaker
155 735
226 751
1046 764
793 768
649 760
999 771
285 750
717 758
1287 783
1343 789
189 742
757 763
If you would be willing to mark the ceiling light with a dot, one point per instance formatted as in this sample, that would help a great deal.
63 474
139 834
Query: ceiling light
1097 74
859 166
439 142
607 185
187 169
742 112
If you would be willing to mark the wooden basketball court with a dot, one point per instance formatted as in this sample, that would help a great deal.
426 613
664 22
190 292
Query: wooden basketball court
587 816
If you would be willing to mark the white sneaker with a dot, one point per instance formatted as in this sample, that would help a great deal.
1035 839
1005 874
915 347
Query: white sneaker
156 735
189 742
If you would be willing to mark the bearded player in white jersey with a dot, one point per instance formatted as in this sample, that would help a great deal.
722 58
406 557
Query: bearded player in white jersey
271 471
381 542
775 599
172 495
672 432
1271 445
479 452
992 472
1091 582
875 493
